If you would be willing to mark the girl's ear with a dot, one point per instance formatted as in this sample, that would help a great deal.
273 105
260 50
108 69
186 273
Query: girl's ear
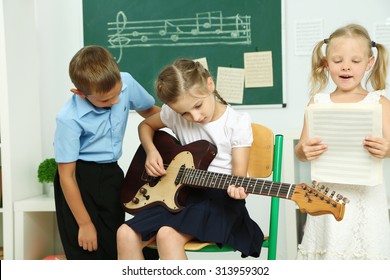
371 62
325 64
210 84
78 92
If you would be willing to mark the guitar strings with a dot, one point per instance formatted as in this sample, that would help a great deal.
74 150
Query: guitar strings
204 178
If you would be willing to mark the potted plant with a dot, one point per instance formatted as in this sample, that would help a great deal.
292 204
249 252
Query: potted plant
46 172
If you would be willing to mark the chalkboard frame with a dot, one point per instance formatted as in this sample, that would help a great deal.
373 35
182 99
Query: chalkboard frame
103 18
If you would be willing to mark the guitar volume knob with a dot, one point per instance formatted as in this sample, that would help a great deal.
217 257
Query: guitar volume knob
143 191
135 200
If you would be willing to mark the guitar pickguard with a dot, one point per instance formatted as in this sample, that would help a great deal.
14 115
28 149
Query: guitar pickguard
165 192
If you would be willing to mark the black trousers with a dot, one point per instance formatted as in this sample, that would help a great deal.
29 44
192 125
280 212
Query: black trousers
99 186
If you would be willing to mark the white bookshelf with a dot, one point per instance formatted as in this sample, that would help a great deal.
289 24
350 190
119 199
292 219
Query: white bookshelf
36 234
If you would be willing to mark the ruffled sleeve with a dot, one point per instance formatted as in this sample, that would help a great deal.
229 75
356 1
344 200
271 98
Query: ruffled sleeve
239 130
374 97
167 116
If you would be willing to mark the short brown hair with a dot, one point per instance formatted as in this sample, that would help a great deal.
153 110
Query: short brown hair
94 70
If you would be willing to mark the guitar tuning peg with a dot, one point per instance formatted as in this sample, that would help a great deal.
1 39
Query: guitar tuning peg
332 194
314 183
326 190
345 200
338 197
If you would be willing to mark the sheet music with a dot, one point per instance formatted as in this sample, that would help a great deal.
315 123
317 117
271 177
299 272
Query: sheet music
203 61
343 128
230 84
258 69
307 33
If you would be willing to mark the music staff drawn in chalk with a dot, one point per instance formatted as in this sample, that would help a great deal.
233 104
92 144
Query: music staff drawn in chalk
208 28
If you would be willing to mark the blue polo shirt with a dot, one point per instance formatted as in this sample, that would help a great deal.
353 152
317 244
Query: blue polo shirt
89 133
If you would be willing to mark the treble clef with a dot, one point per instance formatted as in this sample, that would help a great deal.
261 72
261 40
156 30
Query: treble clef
118 40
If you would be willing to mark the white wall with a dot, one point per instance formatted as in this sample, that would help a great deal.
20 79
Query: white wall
59 25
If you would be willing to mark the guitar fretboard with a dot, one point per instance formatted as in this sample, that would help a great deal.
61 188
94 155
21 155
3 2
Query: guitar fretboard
207 179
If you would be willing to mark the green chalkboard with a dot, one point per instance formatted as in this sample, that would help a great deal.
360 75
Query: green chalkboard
146 35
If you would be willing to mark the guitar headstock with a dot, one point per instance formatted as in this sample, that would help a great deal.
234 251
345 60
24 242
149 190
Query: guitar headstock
315 200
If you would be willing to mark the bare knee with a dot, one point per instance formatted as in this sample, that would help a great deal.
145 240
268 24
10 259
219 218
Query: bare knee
126 233
164 233
129 243
170 243
127 238
168 235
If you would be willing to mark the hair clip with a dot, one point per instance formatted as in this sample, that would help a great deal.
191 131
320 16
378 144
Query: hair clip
373 44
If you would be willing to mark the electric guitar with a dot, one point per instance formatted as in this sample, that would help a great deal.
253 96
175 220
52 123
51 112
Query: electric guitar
186 166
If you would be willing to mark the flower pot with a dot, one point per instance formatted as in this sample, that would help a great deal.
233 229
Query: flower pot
48 189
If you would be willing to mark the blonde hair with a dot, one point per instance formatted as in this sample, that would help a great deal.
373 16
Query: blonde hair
181 77
94 70
319 77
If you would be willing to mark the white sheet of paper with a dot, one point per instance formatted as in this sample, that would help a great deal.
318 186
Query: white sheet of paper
343 127
258 69
382 33
307 34
230 84
203 61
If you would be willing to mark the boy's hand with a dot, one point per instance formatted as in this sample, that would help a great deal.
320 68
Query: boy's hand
88 237
377 146
313 148
236 193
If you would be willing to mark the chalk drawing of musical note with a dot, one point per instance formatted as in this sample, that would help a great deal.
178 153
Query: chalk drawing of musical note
205 21
118 39
206 28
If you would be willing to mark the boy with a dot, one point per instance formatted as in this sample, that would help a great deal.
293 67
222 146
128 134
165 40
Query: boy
88 143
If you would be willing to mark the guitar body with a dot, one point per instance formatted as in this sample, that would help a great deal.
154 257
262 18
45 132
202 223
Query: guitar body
140 191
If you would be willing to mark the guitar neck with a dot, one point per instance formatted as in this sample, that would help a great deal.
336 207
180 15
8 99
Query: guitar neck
206 179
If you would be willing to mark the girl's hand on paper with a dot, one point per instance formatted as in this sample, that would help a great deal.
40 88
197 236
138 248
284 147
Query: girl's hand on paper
377 146
313 148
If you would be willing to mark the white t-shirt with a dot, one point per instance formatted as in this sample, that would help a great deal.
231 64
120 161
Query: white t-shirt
231 130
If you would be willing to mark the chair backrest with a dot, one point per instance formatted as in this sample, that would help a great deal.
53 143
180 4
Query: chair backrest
262 151
265 159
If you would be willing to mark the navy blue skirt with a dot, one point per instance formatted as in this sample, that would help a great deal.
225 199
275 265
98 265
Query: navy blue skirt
210 215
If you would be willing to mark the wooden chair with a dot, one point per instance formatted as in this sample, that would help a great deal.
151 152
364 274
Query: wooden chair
265 159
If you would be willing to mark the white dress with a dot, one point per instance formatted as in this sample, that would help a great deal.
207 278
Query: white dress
364 232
